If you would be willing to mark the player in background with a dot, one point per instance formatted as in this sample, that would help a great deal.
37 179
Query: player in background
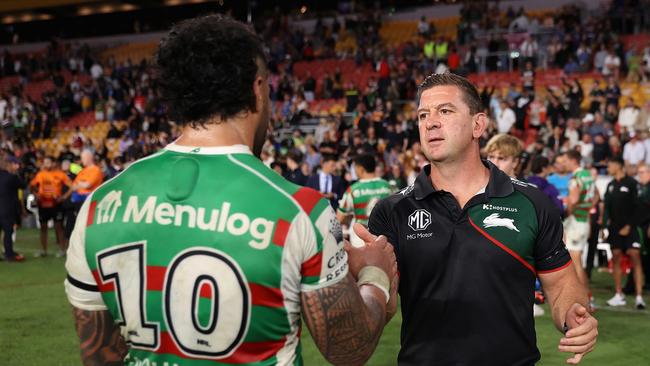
619 216
362 196
582 197
200 254
48 186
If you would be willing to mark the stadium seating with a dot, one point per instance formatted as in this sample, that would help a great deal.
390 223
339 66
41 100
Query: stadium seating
133 51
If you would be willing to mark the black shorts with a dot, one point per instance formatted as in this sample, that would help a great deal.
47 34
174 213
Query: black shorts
46 214
631 241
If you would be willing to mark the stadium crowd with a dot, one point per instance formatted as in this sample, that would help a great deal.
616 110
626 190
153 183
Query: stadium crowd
377 118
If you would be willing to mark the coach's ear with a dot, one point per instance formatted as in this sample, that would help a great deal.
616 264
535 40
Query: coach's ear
479 124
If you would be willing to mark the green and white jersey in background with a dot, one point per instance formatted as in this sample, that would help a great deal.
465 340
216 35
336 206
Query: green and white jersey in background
200 255
361 197
585 182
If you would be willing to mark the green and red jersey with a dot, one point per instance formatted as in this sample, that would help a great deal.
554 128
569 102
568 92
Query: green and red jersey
200 255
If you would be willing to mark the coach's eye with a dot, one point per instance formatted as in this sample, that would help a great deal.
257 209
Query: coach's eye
445 111
423 116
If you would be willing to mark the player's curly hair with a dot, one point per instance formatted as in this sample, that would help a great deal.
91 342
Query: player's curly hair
206 68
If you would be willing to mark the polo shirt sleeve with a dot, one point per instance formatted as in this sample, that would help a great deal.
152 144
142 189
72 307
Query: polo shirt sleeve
550 252
380 223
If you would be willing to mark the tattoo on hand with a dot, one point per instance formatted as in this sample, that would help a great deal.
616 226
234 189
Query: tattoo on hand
101 341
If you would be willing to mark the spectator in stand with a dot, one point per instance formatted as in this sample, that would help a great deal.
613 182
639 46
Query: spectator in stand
619 215
48 185
612 92
528 51
506 118
11 207
611 64
634 152
629 115
586 148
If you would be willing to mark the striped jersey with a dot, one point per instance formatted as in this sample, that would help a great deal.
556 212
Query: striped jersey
200 255
582 179
361 197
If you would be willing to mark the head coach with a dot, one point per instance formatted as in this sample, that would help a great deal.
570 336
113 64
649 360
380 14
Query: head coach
469 242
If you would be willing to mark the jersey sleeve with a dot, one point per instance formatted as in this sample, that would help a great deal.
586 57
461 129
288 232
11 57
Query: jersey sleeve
80 285
346 204
550 252
314 249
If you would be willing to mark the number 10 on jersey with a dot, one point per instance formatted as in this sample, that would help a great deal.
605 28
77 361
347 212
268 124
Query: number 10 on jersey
189 272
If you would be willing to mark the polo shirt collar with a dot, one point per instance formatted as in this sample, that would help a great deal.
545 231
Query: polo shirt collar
499 184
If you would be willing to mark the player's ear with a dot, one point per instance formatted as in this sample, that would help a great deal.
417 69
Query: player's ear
258 89
479 124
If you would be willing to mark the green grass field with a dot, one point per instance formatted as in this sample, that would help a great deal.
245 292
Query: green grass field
36 326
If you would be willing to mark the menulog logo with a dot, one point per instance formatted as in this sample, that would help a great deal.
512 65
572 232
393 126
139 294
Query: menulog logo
149 210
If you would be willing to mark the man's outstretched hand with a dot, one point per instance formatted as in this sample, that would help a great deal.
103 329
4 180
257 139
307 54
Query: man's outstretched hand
378 252
581 337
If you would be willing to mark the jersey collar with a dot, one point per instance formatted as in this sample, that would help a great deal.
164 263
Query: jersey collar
499 184
209 150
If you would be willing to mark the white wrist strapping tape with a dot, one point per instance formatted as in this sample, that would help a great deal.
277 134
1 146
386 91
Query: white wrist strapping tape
371 275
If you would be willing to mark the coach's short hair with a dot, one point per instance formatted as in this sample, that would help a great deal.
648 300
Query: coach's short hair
505 144
470 94
206 68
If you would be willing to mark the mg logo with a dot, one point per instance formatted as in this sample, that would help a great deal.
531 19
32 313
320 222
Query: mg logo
419 220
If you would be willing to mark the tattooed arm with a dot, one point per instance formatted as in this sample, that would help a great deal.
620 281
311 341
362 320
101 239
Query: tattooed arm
345 320
100 339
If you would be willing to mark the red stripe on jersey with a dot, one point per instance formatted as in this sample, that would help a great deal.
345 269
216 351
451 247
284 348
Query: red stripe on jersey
502 246
247 352
91 213
281 231
361 205
103 286
266 296
565 265
361 217
206 291
307 198
312 266
156 278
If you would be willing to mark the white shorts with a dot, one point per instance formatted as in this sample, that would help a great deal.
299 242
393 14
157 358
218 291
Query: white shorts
576 234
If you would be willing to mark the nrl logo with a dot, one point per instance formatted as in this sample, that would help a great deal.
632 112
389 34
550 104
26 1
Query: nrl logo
419 220
494 220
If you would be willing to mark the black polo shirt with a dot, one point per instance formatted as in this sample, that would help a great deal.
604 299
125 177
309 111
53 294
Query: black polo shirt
467 275
621 198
